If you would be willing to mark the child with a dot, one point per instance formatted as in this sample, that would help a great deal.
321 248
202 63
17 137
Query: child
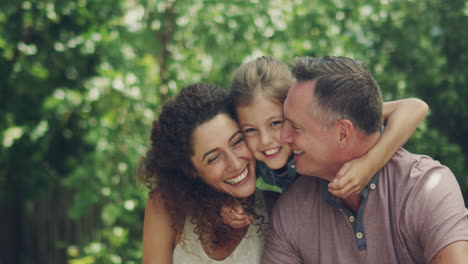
258 89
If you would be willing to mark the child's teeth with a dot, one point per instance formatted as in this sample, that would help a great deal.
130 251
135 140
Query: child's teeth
271 151
298 152
238 178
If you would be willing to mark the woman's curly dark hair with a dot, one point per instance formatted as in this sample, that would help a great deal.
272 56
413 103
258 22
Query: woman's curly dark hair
168 169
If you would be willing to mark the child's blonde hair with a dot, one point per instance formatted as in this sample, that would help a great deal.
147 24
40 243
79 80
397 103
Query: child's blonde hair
264 75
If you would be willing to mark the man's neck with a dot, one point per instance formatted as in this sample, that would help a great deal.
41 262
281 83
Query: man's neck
361 145
358 148
355 149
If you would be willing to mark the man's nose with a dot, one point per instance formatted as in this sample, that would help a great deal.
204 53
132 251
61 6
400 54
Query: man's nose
285 135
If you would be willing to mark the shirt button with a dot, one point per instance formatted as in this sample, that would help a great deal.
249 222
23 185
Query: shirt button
293 166
359 235
351 219
373 186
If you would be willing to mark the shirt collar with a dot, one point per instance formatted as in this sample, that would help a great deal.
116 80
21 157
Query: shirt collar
332 200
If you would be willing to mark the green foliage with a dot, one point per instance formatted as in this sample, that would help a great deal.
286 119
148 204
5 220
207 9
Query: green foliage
82 81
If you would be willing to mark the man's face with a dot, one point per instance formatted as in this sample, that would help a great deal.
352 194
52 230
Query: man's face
315 147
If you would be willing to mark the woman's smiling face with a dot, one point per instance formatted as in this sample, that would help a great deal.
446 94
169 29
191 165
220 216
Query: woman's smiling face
221 157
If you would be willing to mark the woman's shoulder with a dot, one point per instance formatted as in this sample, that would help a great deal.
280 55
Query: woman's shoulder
160 235
160 218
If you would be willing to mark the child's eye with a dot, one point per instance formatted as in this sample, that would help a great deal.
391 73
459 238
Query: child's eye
276 123
249 130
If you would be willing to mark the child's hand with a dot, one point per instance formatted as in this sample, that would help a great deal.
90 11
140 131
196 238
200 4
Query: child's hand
352 178
234 217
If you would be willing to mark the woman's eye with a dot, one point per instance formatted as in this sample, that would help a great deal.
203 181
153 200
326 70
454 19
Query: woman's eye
238 141
212 159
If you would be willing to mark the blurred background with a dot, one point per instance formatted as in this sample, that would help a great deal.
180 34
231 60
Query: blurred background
81 81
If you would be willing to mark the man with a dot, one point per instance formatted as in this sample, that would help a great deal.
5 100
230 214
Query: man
412 211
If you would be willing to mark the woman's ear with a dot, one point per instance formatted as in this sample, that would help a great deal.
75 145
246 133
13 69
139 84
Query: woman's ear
190 170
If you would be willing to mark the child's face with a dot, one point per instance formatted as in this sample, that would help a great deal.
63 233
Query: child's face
261 123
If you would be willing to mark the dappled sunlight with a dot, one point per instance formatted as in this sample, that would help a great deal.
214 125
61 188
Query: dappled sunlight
432 181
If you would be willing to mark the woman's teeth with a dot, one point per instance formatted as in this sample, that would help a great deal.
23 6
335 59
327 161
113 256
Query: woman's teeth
298 152
272 151
239 178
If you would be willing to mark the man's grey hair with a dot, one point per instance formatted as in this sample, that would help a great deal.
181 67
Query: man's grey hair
344 88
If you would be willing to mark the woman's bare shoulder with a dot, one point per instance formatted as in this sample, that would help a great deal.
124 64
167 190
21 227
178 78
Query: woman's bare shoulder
159 233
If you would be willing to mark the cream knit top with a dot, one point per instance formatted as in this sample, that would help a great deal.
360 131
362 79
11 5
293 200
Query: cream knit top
249 250
190 250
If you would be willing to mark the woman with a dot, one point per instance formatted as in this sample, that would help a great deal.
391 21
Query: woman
199 162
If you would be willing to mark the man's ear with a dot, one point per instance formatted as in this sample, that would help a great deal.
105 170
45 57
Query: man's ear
345 130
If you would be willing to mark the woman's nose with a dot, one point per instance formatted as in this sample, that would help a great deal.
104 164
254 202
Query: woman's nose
234 161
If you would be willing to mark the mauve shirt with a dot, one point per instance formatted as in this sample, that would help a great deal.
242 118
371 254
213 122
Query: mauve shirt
410 210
